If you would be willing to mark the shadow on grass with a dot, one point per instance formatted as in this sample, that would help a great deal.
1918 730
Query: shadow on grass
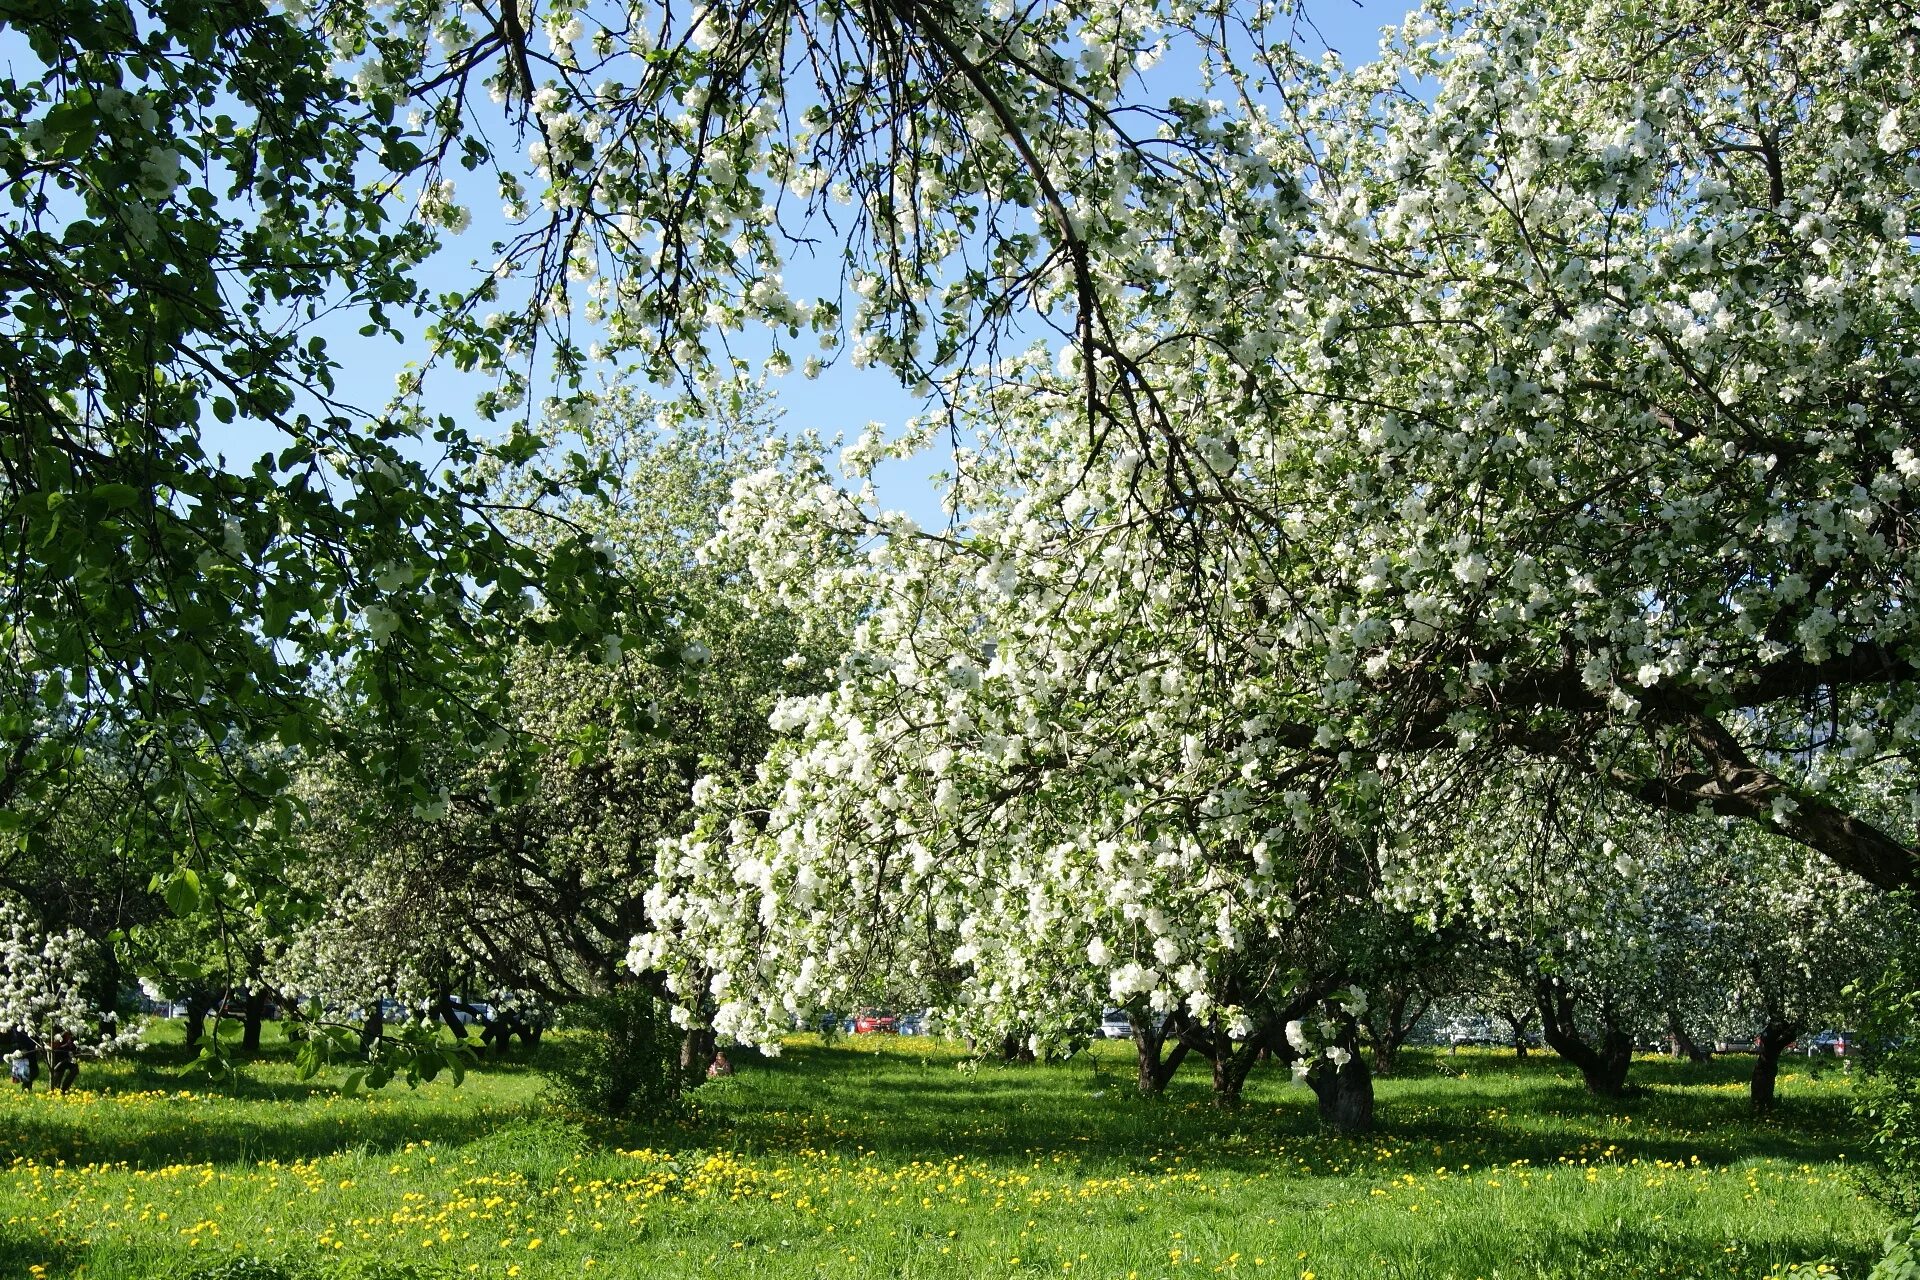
894 1105
170 1135
173 1112
19 1254
1635 1250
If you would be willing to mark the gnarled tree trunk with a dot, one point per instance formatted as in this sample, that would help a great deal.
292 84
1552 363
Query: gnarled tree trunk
1603 1067
256 1017
1774 1039
1158 1051
696 1054
1345 1093
374 1025
1389 1023
1517 1020
1013 1048
1344 1090
1684 1045
197 1007
1230 1070
444 1009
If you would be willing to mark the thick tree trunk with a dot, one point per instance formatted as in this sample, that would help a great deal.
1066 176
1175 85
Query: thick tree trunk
374 1025
1605 1067
1685 1045
1230 1074
1345 1094
443 1008
1774 1040
256 1017
696 1054
1156 1058
1013 1048
496 1035
197 1007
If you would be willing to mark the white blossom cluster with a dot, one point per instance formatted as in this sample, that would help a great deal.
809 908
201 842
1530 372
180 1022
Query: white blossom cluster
1544 387
43 981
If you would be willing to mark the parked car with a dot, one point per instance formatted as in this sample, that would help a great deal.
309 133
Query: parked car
1114 1025
915 1023
868 1021
1837 1043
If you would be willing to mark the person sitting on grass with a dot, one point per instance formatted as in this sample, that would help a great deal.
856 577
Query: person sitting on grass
23 1055
63 1061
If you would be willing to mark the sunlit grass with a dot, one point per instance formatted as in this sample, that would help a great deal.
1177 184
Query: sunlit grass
885 1156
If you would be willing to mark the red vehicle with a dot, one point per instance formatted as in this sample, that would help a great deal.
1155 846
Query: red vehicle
870 1020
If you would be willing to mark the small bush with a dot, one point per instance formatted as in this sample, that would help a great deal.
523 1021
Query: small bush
624 1059
1902 1260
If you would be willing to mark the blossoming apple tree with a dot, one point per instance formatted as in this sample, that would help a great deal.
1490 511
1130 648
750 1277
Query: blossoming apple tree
46 984
1536 393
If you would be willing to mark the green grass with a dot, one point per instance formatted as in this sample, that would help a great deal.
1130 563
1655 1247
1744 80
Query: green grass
890 1156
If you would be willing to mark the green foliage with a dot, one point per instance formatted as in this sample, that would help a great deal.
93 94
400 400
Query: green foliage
1902 1259
182 194
1888 1092
626 1058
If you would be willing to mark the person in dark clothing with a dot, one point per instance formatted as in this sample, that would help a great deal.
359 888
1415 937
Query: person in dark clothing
63 1062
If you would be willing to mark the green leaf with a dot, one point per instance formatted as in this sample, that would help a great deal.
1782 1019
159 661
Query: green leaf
183 891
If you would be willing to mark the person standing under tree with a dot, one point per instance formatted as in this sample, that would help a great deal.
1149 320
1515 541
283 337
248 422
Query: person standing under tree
63 1061
23 1058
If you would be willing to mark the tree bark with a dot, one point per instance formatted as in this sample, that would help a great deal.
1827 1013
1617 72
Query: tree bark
1230 1070
1345 1095
256 1017
1774 1040
1685 1045
197 1007
1388 1027
696 1054
1517 1027
1604 1068
1156 1058
443 1006
374 1025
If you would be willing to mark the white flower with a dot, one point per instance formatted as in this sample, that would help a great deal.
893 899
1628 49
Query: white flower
1296 1034
160 172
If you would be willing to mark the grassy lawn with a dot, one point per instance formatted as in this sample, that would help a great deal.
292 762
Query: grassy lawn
885 1156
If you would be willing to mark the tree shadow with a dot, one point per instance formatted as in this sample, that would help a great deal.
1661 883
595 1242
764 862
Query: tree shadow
185 1135
1532 1110
20 1253
1637 1250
